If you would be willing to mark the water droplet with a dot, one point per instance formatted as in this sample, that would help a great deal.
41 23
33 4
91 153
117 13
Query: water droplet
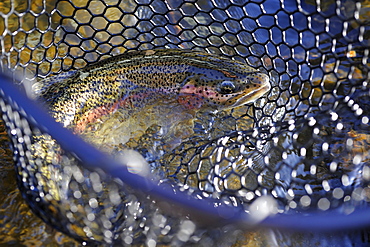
338 193
305 201
263 207
323 204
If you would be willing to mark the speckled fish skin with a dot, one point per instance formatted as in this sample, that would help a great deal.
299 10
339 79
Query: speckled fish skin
131 79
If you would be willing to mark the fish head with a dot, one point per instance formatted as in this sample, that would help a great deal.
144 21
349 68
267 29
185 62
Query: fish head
224 87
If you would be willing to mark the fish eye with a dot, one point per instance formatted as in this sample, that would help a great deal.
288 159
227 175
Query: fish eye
226 87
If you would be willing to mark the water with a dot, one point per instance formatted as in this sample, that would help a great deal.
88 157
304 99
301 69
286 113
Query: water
19 226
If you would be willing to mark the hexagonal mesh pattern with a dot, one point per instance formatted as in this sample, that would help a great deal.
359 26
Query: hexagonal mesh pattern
302 149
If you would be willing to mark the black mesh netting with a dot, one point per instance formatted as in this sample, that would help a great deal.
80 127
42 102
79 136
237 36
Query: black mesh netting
301 150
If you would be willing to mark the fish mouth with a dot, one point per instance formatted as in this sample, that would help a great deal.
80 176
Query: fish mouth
252 96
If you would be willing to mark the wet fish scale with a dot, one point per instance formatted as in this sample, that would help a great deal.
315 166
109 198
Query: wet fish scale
134 79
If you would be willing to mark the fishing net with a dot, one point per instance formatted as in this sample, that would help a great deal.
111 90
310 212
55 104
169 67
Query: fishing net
297 158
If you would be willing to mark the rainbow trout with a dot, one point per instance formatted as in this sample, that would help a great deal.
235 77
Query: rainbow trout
133 80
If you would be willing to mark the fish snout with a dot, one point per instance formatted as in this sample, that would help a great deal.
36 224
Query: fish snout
259 78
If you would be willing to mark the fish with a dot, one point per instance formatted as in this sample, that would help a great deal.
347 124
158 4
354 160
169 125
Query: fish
133 80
